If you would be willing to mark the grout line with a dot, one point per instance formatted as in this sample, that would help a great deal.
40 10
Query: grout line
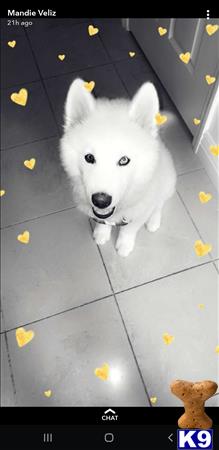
122 81
10 367
30 143
23 34
19 84
111 62
215 265
206 173
190 171
104 265
194 224
38 217
113 293
84 69
164 276
43 84
124 325
114 66
133 352
56 314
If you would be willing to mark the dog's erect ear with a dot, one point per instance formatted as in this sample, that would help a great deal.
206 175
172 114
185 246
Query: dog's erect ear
144 107
79 103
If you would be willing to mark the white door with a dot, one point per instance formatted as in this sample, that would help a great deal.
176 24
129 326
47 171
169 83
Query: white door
185 82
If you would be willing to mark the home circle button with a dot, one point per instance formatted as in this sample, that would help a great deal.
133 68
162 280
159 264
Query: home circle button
109 437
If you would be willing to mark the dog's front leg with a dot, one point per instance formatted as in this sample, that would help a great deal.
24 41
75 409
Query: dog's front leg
126 239
102 233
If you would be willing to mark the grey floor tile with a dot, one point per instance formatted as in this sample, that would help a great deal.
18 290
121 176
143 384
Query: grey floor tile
76 20
205 215
23 124
17 64
107 84
11 28
6 391
58 269
179 141
168 250
50 24
171 306
65 352
81 50
136 71
117 41
32 193
106 20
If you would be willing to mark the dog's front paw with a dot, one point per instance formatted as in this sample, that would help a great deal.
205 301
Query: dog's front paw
153 223
101 234
124 246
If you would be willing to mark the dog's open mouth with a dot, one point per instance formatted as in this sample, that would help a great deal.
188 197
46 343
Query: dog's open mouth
108 213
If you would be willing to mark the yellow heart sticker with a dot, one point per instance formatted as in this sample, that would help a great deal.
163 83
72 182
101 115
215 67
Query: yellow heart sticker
185 57
48 393
24 237
102 372
61 57
214 149
162 31
168 339
217 349
89 85
159 119
209 79
153 400
211 29
20 97
11 44
2 192
24 337
131 54
30 163
202 249
201 305
92 30
196 121
203 197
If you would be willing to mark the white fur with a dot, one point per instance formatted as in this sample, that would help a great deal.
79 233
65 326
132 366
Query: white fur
110 129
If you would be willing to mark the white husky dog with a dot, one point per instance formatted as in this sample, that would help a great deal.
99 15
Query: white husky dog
121 171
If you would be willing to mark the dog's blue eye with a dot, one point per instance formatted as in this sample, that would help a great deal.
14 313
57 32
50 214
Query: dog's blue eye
124 161
90 158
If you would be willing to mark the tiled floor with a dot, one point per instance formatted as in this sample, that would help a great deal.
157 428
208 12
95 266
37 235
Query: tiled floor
86 305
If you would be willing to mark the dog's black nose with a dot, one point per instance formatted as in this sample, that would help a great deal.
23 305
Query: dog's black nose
101 200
